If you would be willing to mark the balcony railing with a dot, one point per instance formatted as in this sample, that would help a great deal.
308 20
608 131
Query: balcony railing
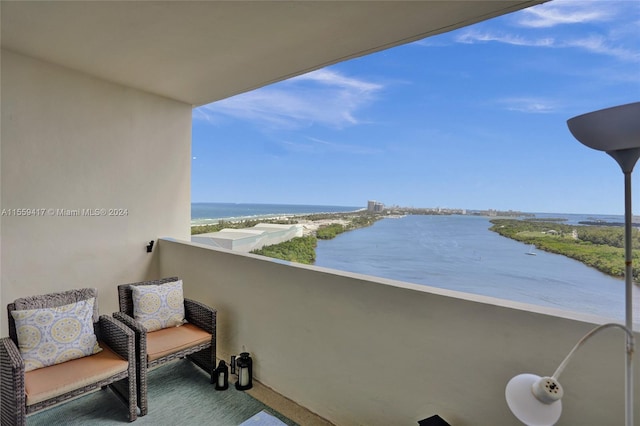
362 350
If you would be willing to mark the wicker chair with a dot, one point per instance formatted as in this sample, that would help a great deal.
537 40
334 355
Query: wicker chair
28 392
157 347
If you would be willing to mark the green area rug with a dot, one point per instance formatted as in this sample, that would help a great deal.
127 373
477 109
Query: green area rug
179 394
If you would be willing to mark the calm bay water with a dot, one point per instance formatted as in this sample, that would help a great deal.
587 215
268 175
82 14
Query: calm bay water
460 253
456 253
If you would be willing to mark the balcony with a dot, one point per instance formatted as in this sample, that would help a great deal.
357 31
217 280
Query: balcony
97 113
360 350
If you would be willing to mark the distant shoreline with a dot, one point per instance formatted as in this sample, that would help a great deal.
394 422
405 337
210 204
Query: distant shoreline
211 213
274 216
326 217
311 222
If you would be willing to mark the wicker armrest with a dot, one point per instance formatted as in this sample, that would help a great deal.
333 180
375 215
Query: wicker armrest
10 356
119 337
12 383
201 315
134 325
141 356
140 334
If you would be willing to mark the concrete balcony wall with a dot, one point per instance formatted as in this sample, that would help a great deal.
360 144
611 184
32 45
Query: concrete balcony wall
364 351
73 143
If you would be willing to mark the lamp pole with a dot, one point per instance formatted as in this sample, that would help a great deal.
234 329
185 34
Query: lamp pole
628 280
616 131
627 159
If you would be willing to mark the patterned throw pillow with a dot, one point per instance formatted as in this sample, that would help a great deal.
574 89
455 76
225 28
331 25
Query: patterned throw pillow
158 306
48 336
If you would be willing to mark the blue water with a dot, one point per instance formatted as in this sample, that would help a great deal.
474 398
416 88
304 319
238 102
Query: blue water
460 253
203 213
456 253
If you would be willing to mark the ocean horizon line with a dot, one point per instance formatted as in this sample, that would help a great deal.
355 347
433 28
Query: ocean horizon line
267 204
209 213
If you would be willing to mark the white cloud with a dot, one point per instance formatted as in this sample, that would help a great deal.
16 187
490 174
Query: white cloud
473 36
561 12
331 78
529 105
321 97
594 43
601 45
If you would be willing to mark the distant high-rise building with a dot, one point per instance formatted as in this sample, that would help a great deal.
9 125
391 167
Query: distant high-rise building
374 206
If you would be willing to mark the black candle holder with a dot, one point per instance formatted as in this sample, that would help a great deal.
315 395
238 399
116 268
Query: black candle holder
244 365
222 376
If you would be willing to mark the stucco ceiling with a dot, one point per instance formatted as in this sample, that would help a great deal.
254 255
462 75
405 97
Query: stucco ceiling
202 51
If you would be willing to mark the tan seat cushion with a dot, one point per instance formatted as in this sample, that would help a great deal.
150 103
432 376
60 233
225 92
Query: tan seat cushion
48 382
170 340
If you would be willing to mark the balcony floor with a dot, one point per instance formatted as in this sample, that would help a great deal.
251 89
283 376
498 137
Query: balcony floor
179 393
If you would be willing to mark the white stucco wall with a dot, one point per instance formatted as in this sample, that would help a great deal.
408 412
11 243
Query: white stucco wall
71 141
364 351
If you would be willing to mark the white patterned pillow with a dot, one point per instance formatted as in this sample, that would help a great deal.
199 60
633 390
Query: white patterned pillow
48 336
158 306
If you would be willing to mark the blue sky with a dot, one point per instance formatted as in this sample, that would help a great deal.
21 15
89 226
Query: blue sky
474 118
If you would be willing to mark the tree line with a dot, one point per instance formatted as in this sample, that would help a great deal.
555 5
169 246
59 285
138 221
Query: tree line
601 247
299 249
303 249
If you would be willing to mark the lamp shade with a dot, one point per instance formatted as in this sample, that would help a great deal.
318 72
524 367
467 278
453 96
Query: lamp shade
609 129
524 404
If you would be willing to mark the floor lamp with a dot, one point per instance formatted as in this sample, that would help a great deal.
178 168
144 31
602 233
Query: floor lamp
536 400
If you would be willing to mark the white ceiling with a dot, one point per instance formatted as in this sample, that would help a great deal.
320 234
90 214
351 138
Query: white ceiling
202 51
